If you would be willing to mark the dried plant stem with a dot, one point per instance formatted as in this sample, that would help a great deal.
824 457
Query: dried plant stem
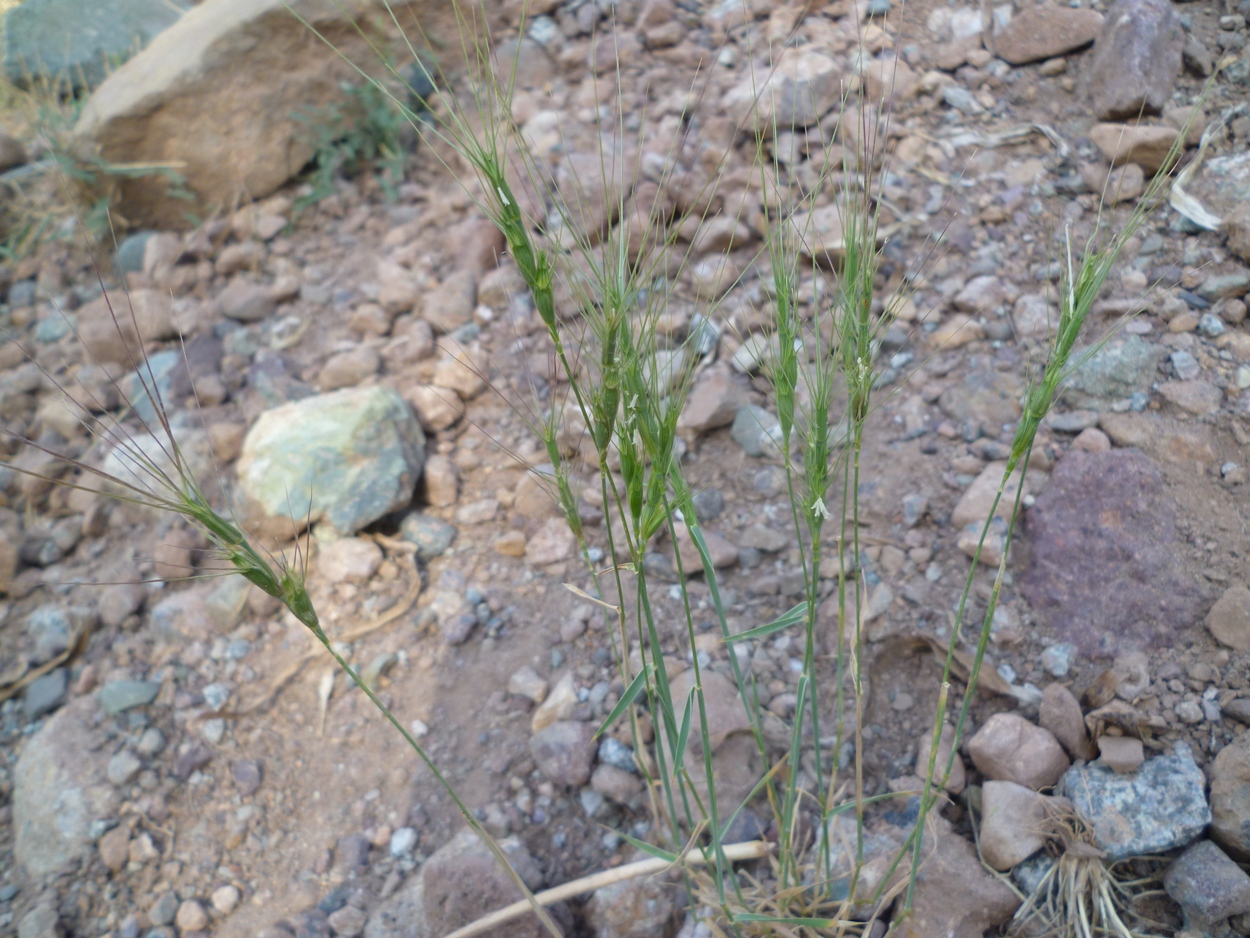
752 850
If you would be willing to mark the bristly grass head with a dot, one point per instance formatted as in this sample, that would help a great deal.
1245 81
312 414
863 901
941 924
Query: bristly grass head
153 472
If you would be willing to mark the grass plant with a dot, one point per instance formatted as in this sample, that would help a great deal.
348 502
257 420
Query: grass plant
600 291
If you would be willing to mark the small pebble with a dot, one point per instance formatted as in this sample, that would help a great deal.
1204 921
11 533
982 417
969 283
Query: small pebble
225 898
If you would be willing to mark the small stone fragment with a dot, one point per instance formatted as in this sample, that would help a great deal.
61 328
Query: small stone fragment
1123 754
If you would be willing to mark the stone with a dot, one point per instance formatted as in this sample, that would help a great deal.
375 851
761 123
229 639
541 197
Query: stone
225 899
347 369
1092 440
648 907
348 560
800 89
114 848
955 895
1044 32
462 372
200 96
403 841
722 552
1160 807
959 774
114 330
713 402
442 481
437 408
244 300
450 305
461 882
1207 885
986 396
118 602
1144 144
616 784
1229 619
564 752
347 457
191 916
348 921
162 911
40 922
526 682
119 696
1112 372
432 535
1230 798
559 705
1009 747
1137 58
1122 184
551 543
1103 512
1196 397
974 505
757 431
59 789
1060 713
67 40
510 544
123 767
44 694
1016 822
980 294
1123 754
247 777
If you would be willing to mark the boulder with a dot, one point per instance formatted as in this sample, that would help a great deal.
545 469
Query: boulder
220 94
348 457
76 40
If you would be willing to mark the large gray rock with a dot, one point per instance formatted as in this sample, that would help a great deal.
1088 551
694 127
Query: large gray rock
460 883
636 908
1103 569
1137 57
1207 885
222 91
353 455
60 787
1160 807
76 40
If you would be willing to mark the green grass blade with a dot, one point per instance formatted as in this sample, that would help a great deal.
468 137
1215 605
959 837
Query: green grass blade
631 693
788 618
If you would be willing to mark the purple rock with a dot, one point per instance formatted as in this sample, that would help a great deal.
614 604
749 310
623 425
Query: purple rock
1104 563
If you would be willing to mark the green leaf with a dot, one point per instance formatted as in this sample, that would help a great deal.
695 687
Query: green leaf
650 849
631 693
784 621
683 735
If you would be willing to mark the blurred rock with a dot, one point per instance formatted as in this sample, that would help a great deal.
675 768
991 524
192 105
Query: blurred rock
636 908
461 882
76 41
1230 798
564 752
1060 713
59 789
1229 619
200 95
1045 31
1146 145
1137 57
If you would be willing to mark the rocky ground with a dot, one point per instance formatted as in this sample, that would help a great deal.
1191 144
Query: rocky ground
176 759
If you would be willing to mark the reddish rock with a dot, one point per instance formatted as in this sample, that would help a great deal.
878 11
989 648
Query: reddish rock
1104 570
1046 31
